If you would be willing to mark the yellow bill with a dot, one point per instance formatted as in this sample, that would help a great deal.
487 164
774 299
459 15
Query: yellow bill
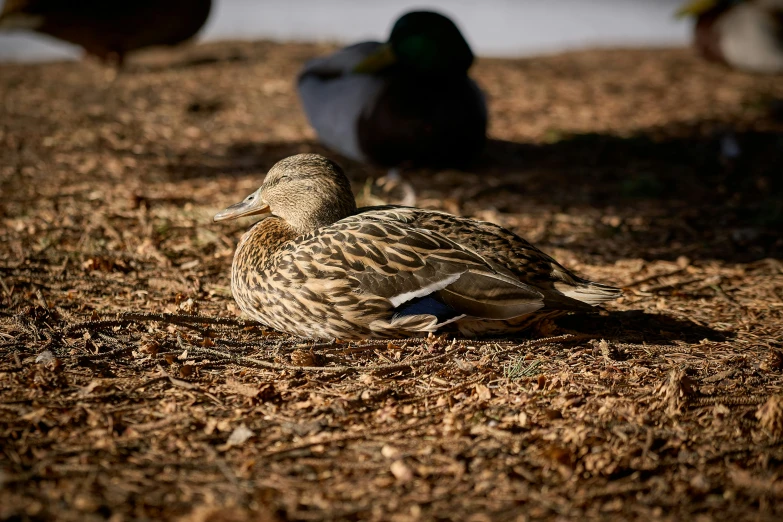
382 58
696 7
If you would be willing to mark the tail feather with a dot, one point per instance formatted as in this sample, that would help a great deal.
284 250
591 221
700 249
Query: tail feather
409 325
589 292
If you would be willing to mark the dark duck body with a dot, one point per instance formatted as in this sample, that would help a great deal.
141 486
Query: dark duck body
318 267
743 34
109 29
406 101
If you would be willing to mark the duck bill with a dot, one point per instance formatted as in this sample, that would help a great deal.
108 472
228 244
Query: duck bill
242 209
382 58
696 7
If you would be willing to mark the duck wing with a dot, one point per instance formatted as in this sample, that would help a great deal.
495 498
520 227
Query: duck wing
334 99
432 121
510 254
414 266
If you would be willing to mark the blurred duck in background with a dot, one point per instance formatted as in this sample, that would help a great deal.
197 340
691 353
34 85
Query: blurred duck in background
744 34
109 29
406 101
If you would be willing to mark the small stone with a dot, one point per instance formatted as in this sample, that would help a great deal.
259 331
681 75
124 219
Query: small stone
401 471
239 436
390 452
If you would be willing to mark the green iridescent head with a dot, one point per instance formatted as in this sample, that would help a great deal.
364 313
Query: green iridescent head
431 42
423 41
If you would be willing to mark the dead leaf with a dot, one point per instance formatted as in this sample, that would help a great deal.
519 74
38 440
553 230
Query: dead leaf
239 436
150 347
189 306
304 358
483 392
675 391
770 415
241 388
93 386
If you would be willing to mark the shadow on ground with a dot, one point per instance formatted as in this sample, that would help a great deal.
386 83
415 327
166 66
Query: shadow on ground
714 194
603 170
702 190
635 326
242 158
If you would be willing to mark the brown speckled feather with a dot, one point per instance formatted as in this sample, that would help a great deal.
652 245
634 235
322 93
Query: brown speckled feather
342 281
318 267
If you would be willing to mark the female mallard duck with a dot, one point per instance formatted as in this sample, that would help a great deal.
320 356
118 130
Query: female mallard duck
318 267
109 29
744 34
407 100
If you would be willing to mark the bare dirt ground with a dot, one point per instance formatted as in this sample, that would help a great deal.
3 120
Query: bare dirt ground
131 389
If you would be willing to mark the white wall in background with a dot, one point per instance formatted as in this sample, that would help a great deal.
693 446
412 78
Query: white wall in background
493 27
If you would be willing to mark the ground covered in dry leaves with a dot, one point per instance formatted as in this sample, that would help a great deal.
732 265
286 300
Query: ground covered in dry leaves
131 389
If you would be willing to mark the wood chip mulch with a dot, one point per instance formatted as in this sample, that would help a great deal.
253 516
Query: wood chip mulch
131 389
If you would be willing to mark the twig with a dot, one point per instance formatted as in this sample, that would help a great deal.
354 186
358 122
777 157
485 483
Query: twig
344 438
104 355
94 325
41 298
676 284
728 400
545 341
653 277
178 382
185 319
451 390
5 288
721 293
129 317
148 382
518 370
324 369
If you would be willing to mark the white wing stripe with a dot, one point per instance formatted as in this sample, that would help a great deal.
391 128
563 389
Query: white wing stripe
398 299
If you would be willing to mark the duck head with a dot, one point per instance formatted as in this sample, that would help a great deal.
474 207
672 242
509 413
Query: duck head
425 42
700 7
307 191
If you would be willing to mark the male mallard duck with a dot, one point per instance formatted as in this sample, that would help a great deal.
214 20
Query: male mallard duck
744 34
318 267
407 100
109 29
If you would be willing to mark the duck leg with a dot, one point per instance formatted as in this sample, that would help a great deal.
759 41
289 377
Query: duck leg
394 181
